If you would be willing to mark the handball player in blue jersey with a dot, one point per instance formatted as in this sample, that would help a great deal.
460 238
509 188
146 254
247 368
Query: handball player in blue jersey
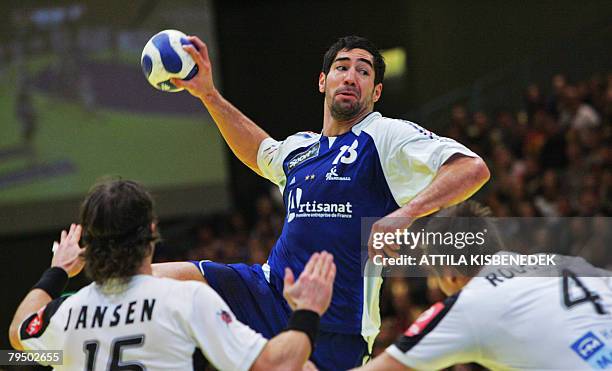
361 165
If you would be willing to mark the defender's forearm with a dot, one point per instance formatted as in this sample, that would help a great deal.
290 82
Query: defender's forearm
33 301
286 351
241 134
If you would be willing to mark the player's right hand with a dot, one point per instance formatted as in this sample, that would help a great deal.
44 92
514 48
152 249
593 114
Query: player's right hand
313 289
68 253
201 84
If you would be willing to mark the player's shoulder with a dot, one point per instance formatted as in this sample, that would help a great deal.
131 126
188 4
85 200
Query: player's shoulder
272 148
184 290
81 296
176 287
304 135
497 292
300 139
381 127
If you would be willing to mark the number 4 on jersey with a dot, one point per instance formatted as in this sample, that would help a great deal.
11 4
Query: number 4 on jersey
571 284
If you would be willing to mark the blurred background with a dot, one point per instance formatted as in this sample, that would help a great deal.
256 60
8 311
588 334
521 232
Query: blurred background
528 87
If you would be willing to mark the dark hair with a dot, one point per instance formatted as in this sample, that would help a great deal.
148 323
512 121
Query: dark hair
355 42
116 217
467 217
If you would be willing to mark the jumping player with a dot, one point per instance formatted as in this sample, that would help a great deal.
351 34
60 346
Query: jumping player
129 320
361 165
552 318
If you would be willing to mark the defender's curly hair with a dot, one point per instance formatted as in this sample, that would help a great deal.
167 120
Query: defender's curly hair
116 217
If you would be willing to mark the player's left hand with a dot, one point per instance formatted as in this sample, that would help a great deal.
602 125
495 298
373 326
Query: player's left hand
388 225
202 83
67 255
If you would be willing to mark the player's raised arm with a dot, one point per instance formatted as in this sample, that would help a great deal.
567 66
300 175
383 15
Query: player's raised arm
457 179
66 263
241 134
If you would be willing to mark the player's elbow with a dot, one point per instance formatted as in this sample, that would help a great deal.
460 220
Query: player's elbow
14 336
480 171
473 171
474 174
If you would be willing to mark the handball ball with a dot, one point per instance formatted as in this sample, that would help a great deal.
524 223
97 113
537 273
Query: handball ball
163 58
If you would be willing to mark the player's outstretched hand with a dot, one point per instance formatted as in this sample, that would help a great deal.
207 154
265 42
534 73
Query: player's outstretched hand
202 83
313 289
67 254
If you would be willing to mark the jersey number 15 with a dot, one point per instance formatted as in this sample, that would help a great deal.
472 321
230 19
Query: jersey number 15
91 350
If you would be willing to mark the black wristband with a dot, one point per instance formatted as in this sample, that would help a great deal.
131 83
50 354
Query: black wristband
306 321
53 282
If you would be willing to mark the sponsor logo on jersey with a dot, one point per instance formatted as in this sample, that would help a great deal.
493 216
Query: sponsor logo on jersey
36 323
587 346
297 208
225 316
311 152
424 319
332 174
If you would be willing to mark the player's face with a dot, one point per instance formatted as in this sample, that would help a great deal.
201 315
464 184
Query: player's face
349 85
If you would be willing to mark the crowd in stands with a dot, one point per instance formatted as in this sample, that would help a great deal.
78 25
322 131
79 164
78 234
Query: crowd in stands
552 158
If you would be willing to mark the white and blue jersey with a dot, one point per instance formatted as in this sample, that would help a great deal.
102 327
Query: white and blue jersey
329 184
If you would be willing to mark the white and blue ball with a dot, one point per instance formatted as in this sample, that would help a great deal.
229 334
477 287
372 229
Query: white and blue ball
163 58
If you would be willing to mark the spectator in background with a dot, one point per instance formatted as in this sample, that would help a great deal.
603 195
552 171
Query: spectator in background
552 152
575 113
533 100
479 133
508 132
458 122
554 158
553 102
607 101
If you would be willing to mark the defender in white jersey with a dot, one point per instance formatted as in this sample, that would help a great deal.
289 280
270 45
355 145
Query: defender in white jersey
360 165
551 318
128 319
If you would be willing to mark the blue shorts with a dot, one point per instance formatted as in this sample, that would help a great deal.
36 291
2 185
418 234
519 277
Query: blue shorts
259 305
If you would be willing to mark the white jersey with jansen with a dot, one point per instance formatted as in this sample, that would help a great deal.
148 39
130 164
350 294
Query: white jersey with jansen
329 184
509 319
154 324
